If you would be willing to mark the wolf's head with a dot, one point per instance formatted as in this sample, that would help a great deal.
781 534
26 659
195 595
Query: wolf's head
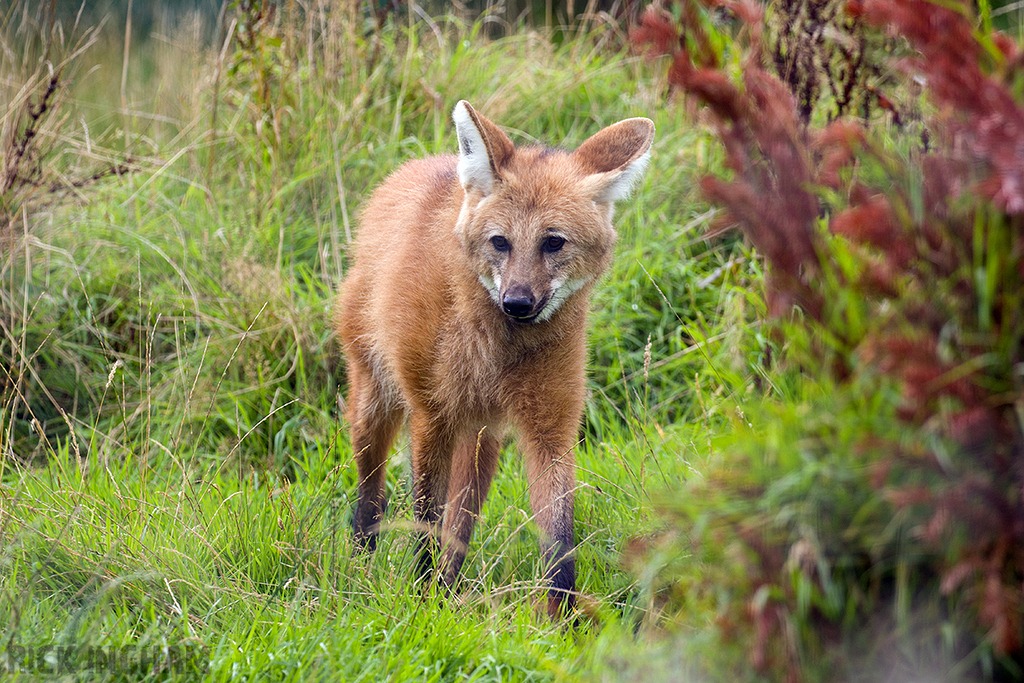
536 223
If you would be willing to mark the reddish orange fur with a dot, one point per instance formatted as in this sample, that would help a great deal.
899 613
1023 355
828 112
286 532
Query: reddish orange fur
425 338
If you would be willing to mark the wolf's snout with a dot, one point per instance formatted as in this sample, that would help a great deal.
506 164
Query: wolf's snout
518 303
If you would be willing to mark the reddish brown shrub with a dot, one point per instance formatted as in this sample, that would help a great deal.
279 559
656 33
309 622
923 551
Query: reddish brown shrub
938 238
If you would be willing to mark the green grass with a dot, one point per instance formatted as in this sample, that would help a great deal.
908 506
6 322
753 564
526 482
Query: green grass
175 472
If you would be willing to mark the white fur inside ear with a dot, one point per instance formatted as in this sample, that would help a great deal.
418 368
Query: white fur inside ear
474 164
620 184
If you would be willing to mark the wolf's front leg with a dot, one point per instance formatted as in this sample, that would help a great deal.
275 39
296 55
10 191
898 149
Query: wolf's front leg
551 476
432 444
476 459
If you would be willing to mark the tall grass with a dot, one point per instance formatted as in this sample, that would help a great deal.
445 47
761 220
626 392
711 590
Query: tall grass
175 471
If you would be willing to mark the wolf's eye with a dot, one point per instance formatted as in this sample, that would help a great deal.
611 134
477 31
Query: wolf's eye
554 243
500 243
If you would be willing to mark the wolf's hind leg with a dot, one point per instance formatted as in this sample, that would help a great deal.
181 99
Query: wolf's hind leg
374 416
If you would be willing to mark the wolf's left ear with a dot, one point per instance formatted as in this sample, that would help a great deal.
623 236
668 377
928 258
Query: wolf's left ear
616 158
483 149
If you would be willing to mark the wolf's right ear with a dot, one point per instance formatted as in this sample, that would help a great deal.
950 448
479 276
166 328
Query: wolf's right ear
483 149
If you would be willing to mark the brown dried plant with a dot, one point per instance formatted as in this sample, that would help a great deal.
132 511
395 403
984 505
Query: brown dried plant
41 59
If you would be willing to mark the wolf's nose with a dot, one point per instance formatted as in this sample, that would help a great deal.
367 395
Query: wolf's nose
518 304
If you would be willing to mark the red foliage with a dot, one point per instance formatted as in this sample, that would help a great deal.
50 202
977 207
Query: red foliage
988 121
943 264
657 31
873 223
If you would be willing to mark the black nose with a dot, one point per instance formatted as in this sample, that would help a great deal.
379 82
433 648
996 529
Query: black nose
518 304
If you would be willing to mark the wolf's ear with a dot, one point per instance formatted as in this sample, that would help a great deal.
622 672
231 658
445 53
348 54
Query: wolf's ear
616 158
483 149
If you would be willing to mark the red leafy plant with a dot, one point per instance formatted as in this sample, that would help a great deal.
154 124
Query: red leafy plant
908 261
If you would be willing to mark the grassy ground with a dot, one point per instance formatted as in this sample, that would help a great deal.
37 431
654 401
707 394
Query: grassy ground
176 480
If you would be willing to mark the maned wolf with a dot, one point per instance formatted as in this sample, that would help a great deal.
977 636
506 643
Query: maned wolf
465 310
